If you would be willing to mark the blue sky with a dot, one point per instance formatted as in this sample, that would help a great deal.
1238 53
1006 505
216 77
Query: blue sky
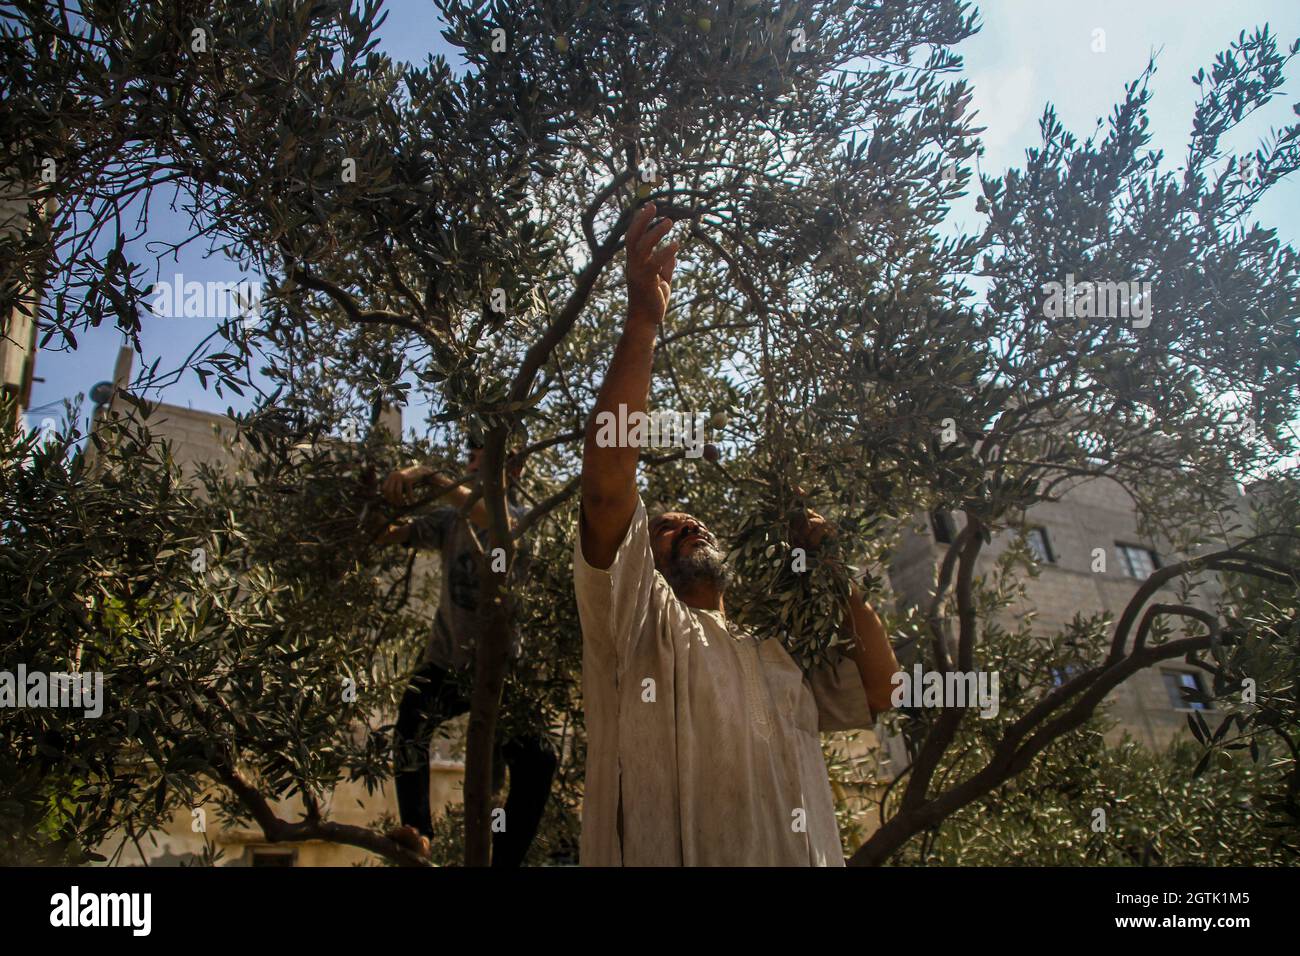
1026 55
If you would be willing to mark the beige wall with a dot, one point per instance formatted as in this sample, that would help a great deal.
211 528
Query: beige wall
349 803
18 342
1095 514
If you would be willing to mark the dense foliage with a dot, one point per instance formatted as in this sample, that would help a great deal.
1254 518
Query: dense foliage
449 242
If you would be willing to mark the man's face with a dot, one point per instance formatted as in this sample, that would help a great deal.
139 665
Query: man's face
476 457
685 551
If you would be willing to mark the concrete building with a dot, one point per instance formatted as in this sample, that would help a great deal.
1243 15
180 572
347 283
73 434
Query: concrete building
1091 558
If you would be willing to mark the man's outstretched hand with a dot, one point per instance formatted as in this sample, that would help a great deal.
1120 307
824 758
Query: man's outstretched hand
649 270
810 529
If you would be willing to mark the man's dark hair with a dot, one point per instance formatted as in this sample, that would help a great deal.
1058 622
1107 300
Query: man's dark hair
518 438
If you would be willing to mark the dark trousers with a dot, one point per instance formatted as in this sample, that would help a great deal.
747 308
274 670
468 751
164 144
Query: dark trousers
434 696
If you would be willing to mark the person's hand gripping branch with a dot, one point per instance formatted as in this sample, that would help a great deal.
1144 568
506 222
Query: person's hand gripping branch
870 648
649 270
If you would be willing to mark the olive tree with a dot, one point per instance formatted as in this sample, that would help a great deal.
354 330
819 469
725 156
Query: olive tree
450 242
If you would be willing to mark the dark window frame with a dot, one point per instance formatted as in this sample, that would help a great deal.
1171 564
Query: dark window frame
1124 547
942 526
1050 552
1182 704
267 853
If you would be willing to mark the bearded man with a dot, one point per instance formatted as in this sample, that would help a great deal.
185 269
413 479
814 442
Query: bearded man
702 739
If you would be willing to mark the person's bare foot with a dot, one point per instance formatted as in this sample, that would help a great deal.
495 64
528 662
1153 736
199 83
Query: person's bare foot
412 839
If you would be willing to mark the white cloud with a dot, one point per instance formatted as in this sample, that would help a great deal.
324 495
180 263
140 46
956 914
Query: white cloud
1008 107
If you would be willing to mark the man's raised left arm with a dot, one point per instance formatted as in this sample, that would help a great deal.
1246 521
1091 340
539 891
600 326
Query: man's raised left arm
869 648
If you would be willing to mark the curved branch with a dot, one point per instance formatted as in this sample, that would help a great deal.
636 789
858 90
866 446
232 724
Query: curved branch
944 579
945 729
589 214
1186 610
313 828
522 454
1009 760
544 507
350 306
1229 559
541 350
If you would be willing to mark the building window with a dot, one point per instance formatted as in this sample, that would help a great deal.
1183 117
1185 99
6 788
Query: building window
1178 681
1040 546
1062 674
945 529
1139 562
268 856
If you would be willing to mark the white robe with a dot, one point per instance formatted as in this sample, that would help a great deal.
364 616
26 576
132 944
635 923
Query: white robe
709 736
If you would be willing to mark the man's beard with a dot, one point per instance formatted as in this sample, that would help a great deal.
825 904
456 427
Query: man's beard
704 565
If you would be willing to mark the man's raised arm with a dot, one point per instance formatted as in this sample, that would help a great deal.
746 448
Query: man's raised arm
609 474
870 648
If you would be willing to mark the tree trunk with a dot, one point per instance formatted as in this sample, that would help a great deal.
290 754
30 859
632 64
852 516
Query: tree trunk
496 624
485 703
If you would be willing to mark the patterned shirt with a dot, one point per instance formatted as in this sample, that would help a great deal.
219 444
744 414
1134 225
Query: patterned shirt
455 625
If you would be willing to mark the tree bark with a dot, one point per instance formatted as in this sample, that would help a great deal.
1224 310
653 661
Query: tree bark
496 624
277 830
